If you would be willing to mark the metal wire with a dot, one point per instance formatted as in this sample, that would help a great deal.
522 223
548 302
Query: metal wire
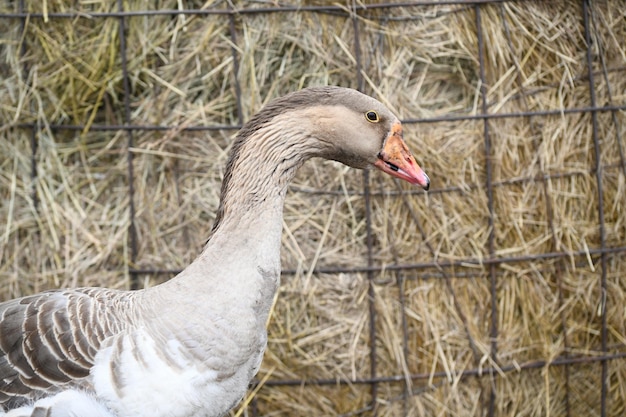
371 293
132 230
462 263
34 128
436 119
242 11
539 364
493 332
601 225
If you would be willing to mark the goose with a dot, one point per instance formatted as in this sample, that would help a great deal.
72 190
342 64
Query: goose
192 345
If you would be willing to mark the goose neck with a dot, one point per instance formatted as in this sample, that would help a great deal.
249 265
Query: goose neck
262 164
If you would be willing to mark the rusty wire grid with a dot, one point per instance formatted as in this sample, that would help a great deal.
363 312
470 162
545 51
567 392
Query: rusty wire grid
445 270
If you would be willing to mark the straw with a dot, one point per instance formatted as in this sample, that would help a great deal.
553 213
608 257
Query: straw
423 63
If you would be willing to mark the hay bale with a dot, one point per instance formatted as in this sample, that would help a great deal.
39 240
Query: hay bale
69 224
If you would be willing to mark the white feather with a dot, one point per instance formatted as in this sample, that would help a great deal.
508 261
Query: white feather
162 381
70 403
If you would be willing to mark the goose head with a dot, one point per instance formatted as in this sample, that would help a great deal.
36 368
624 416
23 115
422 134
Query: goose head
356 130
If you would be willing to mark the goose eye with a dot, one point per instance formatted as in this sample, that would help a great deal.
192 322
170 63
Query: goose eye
372 116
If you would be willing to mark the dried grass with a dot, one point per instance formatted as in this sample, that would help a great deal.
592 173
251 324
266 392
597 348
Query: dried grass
423 62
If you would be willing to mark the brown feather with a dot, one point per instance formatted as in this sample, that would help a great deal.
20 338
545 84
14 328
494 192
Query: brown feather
46 341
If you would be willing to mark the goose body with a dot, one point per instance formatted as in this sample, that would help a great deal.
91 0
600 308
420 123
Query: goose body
191 346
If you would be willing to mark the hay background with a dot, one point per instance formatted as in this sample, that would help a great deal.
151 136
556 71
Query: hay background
69 225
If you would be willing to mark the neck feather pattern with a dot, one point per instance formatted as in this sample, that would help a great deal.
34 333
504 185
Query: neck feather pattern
264 160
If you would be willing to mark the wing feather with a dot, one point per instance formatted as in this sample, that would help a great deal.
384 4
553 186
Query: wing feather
49 341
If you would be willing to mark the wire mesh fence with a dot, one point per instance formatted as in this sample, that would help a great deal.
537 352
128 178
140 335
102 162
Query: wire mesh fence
578 378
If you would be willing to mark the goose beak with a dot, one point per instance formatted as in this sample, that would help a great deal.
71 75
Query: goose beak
396 160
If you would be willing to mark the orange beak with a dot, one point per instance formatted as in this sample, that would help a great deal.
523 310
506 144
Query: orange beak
396 160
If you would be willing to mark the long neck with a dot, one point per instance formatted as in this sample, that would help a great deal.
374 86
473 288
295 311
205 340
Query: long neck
242 255
263 162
